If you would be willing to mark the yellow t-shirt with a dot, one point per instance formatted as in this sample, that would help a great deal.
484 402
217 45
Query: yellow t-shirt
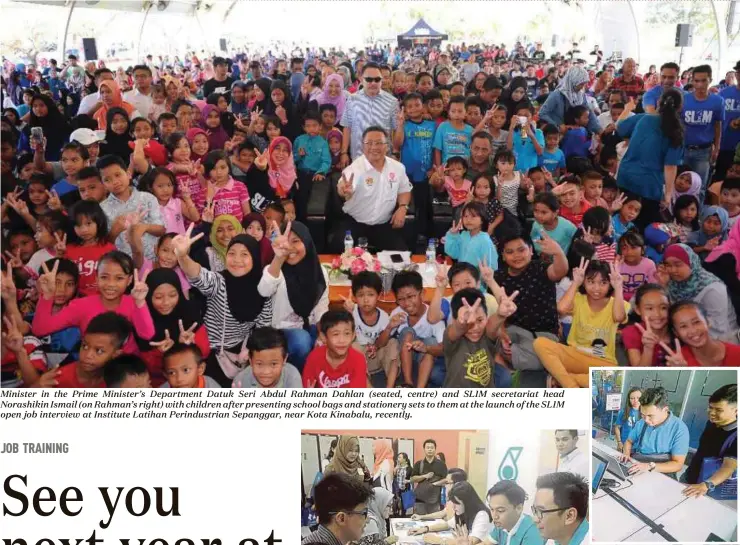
594 333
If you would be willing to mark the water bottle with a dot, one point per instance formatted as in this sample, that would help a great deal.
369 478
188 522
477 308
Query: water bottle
431 254
349 243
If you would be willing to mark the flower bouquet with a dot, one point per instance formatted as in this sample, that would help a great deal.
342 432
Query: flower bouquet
352 262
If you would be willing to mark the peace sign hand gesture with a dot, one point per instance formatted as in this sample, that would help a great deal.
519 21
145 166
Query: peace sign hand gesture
261 160
348 303
140 289
14 259
208 214
507 306
674 358
7 287
615 277
182 243
649 338
47 282
440 278
164 345
548 246
61 245
579 273
466 315
345 187
255 115
187 336
12 337
456 227
281 244
588 236
54 203
16 203
400 117
617 203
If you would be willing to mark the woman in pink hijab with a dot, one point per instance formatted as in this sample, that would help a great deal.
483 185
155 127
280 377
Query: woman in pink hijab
281 168
334 93
383 468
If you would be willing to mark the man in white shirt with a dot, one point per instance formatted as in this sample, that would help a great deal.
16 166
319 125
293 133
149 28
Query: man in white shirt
376 194
609 118
571 458
91 103
140 96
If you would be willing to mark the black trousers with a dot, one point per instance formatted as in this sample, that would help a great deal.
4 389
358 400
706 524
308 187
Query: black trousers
422 195
724 162
302 194
381 237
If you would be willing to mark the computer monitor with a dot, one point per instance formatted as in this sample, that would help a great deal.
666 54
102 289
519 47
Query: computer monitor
597 473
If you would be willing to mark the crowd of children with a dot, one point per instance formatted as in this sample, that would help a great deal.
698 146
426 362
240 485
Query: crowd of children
168 247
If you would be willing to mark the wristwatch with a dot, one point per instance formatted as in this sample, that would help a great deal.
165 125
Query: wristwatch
652 466
710 486
406 206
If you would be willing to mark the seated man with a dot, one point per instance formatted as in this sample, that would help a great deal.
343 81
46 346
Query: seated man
341 504
376 194
560 508
511 526
718 441
660 440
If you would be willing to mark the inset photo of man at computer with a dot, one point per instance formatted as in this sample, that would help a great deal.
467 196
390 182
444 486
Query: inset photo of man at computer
664 455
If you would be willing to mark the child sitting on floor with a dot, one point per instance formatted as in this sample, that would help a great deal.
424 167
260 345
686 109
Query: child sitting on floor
268 362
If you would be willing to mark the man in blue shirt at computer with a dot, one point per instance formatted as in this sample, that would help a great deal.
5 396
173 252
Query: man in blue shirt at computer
660 440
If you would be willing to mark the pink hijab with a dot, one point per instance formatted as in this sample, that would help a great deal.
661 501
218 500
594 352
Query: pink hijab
729 246
338 101
282 178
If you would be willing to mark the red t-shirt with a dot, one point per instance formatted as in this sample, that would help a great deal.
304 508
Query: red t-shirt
352 373
67 378
154 358
9 365
732 356
86 258
632 340
575 218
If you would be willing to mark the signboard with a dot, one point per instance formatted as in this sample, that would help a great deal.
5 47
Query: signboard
421 31
613 402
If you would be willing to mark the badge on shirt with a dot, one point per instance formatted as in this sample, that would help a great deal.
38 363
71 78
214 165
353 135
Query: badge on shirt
392 177
369 181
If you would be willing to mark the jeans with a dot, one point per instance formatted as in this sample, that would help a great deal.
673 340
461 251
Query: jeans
698 160
300 344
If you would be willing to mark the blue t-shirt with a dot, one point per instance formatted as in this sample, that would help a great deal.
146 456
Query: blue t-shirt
452 142
641 169
699 117
651 96
63 187
576 143
670 437
619 227
416 151
627 424
525 533
730 137
562 234
552 160
526 155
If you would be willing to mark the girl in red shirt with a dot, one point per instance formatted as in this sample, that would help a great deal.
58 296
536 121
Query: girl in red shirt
88 243
699 350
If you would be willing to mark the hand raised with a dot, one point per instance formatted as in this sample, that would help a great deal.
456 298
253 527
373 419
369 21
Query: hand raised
281 245
140 289
47 282
163 345
507 307
579 273
674 358
187 336
182 243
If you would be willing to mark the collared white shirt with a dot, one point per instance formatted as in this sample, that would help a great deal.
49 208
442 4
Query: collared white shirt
141 102
575 462
513 530
375 193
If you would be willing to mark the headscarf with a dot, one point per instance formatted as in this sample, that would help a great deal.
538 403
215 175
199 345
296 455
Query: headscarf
382 451
339 101
511 105
339 462
101 115
237 108
265 104
117 144
55 127
305 280
694 190
376 507
217 137
266 251
245 301
573 77
437 71
334 133
730 246
221 250
183 309
281 178
346 74
190 135
700 278
700 238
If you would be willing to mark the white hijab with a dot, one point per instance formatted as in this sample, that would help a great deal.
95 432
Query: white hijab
573 77
376 513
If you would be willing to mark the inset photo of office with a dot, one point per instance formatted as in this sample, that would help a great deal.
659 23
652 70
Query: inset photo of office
374 487
664 455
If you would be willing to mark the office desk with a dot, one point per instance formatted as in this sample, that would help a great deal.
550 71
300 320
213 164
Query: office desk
402 533
659 498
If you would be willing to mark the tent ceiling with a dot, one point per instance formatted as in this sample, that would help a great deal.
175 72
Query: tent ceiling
184 7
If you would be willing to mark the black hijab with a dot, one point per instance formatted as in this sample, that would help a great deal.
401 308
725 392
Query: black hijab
265 104
55 127
183 310
117 144
511 105
245 302
305 280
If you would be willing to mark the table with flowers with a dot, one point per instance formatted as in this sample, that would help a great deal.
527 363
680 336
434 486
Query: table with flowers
340 267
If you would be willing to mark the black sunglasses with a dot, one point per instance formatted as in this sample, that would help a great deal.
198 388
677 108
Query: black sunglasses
373 80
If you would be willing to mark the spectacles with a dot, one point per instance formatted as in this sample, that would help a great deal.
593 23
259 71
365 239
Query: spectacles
373 80
375 144
362 513
538 513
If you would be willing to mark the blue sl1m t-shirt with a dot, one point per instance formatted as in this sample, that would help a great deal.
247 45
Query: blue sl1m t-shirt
552 160
699 117
453 142
670 437
730 136
416 151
